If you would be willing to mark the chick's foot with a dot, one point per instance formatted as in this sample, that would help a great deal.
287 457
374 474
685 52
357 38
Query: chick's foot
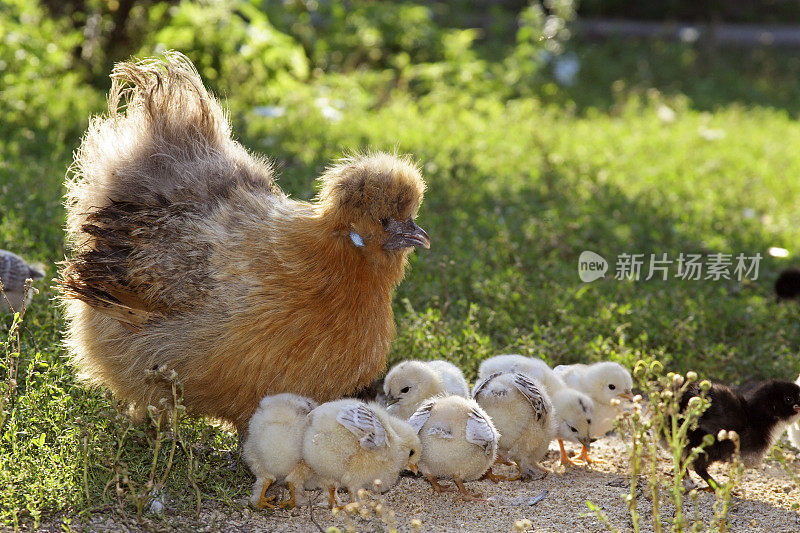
465 494
263 501
494 477
565 460
438 487
291 502
585 458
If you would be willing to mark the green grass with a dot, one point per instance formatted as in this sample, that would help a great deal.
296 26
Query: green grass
518 186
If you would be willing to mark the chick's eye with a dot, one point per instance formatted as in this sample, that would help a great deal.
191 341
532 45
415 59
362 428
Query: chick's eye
411 453
405 389
384 222
789 399
612 386
573 429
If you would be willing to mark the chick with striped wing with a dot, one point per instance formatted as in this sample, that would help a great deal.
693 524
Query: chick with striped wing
351 444
459 442
523 414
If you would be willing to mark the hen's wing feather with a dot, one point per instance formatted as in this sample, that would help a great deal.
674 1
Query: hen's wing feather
144 261
146 177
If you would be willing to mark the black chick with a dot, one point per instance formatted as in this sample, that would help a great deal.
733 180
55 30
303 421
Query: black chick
787 286
758 412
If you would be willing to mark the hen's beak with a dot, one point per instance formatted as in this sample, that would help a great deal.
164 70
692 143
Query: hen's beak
413 468
390 400
405 235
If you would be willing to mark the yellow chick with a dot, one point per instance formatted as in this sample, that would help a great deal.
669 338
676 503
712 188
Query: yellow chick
458 439
519 363
602 382
574 410
410 383
351 444
274 444
523 414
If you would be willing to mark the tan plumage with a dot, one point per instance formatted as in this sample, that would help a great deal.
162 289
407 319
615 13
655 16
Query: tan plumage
185 253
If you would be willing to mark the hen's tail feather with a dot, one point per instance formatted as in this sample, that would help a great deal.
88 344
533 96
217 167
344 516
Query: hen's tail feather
172 94
145 179
165 136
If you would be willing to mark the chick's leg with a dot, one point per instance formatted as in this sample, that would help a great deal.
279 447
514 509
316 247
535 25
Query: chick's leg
584 457
502 461
565 460
465 494
291 502
332 496
494 477
438 487
700 468
263 501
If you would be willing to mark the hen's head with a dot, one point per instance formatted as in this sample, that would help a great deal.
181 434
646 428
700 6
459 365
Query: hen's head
374 200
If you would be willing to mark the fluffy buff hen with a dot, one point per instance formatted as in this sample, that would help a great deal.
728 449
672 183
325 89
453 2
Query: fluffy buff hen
185 253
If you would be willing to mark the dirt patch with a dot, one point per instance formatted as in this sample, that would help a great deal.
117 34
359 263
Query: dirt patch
767 500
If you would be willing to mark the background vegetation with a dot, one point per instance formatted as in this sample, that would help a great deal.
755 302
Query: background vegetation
651 147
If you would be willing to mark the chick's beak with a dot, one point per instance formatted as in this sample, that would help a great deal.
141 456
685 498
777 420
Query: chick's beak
627 395
405 235
390 400
586 441
413 468
796 408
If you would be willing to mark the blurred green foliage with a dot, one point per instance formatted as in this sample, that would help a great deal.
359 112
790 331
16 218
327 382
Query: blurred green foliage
656 147
238 50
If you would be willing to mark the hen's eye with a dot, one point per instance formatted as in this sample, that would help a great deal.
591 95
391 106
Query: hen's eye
612 386
405 389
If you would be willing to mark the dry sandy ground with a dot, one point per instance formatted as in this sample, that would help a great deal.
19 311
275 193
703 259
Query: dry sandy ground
763 502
